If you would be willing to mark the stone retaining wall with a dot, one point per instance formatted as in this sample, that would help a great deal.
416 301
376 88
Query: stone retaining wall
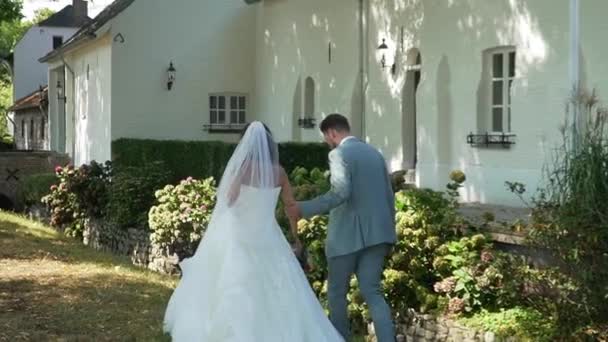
423 328
133 242
15 165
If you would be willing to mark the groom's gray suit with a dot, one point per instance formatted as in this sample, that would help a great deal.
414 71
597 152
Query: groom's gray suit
360 233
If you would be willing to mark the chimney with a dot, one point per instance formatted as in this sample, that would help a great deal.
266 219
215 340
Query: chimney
81 11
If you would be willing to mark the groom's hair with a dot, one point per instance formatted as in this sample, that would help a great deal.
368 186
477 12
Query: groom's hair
335 121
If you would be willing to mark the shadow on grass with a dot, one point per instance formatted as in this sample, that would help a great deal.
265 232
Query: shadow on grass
22 241
54 288
96 308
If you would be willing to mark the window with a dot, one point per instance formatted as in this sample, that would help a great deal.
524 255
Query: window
32 129
228 110
309 98
57 41
42 128
502 69
23 129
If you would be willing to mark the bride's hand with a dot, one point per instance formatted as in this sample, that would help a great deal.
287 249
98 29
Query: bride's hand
298 246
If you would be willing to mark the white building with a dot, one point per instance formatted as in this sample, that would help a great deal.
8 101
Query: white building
422 80
28 114
29 74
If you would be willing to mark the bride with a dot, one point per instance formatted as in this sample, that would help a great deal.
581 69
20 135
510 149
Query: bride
244 282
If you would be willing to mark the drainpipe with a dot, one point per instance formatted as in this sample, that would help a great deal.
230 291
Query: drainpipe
362 69
65 85
575 67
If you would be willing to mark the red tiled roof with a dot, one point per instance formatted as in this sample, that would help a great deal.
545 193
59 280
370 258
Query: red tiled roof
33 100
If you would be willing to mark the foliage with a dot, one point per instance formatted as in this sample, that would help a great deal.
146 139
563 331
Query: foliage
426 219
132 194
525 324
180 217
81 193
570 215
10 10
202 159
62 205
34 187
307 185
474 276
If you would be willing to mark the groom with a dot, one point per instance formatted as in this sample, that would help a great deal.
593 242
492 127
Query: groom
361 228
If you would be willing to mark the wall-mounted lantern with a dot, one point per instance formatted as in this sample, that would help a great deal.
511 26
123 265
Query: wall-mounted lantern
61 92
170 76
383 62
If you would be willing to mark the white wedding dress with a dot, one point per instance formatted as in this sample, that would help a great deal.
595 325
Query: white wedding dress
244 282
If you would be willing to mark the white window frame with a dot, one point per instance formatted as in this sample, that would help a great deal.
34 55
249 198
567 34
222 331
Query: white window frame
506 79
229 108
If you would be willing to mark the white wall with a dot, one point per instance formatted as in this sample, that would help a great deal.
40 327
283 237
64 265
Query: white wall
29 74
293 39
88 105
212 45
594 69
93 105
451 36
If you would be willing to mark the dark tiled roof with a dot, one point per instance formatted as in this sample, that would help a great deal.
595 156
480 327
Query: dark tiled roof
33 100
88 31
65 18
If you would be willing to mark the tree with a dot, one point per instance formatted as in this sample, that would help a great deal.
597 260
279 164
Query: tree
10 10
42 14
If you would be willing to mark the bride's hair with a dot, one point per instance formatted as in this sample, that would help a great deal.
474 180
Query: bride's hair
249 124
272 145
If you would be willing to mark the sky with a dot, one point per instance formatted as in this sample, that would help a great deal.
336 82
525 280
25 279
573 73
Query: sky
29 6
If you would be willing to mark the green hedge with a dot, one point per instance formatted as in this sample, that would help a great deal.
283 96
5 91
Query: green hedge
202 159
32 188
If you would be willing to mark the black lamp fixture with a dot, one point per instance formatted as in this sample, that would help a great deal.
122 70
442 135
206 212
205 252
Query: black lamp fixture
383 46
170 76
60 92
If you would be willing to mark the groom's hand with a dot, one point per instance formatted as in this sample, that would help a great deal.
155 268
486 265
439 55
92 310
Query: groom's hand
293 211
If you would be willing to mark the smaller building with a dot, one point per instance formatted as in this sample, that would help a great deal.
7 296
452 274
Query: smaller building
30 116
40 39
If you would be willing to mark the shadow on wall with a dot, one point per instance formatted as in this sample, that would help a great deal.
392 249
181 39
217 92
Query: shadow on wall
356 108
297 111
409 138
444 112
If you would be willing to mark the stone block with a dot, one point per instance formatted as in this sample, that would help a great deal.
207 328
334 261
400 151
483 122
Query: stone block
489 337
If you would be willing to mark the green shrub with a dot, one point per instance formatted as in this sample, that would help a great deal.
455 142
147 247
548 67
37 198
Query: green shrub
63 207
523 323
81 193
132 194
181 215
570 216
203 159
34 187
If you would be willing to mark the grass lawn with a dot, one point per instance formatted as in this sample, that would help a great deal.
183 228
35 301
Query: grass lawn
53 288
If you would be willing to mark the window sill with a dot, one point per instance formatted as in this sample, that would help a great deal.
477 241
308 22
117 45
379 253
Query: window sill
491 140
224 128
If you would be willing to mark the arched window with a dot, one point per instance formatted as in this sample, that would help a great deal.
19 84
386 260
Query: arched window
500 62
309 98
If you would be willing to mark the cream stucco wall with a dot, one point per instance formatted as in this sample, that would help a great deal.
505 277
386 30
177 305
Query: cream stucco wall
212 45
451 37
93 103
293 40
88 104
